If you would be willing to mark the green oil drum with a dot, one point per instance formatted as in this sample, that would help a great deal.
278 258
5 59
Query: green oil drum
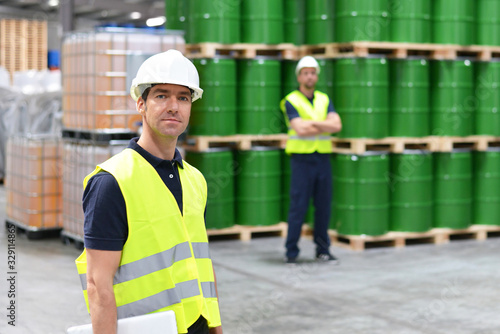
486 197
410 21
258 186
326 76
453 22
362 20
214 21
320 24
259 96
215 113
361 193
452 94
216 164
289 79
487 97
294 21
409 98
362 97
453 189
261 21
488 22
176 14
410 185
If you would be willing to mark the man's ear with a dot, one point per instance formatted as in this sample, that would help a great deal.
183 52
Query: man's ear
140 105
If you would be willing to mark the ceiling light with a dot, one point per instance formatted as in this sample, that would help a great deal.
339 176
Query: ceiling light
135 15
156 21
53 3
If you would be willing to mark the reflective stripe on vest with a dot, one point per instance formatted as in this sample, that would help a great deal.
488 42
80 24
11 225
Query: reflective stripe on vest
164 266
155 262
297 144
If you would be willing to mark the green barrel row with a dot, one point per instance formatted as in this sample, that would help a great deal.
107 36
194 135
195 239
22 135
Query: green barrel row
374 193
241 97
244 187
375 97
300 22
415 191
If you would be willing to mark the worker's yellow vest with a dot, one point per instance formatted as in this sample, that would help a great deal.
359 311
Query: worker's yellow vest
165 262
320 143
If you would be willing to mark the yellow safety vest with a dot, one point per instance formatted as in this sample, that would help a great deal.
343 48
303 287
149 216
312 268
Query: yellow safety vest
165 262
318 112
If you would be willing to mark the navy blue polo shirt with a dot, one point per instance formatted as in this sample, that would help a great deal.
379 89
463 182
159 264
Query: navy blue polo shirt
293 113
105 223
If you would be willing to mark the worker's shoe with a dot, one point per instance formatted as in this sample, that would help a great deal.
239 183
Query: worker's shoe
291 260
327 258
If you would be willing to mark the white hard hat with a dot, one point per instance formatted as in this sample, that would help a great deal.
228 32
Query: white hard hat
169 67
307 61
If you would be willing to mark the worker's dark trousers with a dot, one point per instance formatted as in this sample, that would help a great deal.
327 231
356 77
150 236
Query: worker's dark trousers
311 177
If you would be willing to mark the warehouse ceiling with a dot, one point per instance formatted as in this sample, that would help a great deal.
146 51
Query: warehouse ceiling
119 11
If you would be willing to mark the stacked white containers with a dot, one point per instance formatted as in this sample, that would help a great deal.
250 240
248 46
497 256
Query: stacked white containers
99 116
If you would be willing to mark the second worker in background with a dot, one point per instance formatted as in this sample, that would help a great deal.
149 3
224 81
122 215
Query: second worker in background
311 119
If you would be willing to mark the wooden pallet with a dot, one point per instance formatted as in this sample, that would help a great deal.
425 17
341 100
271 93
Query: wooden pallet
69 238
389 144
34 233
244 233
96 136
401 239
477 143
400 50
242 50
23 45
240 142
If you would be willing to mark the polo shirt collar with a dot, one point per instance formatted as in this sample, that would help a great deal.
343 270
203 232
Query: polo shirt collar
153 160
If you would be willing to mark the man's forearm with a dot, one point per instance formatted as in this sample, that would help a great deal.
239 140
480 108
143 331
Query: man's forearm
102 312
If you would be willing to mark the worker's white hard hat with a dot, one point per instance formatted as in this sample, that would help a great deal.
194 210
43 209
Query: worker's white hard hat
306 61
169 67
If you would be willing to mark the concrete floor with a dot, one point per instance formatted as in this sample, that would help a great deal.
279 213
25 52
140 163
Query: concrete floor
429 289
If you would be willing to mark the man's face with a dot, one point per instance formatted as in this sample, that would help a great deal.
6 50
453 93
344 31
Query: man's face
308 77
166 110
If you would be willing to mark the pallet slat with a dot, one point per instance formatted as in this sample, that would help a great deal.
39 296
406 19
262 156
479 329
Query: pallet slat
241 50
400 50
436 236
242 142
245 233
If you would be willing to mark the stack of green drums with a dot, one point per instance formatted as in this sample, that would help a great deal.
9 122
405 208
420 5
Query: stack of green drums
361 195
362 97
216 164
215 113
410 184
214 21
487 96
320 24
261 21
176 14
362 20
258 186
294 21
409 98
410 21
486 187
488 22
453 22
453 189
289 80
259 96
326 76
452 98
